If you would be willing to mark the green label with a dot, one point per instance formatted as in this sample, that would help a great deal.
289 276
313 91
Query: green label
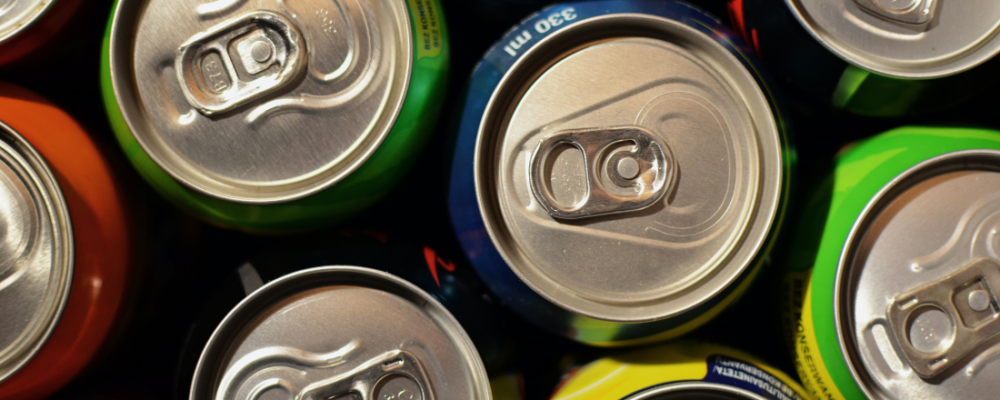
426 28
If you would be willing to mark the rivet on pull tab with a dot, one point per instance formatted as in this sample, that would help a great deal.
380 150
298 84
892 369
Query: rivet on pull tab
938 324
239 61
916 12
635 177
393 375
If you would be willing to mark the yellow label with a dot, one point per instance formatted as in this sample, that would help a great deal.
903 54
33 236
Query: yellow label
507 387
427 28
797 316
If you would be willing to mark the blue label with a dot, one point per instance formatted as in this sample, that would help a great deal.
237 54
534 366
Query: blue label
736 373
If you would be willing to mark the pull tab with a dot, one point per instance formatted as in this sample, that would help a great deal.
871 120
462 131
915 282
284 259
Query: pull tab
238 61
940 323
394 375
917 12
638 176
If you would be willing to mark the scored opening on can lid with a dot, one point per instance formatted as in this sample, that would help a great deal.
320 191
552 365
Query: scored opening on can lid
36 252
628 168
18 15
913 39
334 332
260 102
916 294
696 391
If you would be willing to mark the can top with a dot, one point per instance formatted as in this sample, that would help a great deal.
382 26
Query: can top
36 252
340 332
916 299
696 391
260 102
628 168
18 15
912 39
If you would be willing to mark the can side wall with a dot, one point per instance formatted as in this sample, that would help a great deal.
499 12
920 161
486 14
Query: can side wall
104 243
620 376
374 179
860 172
467 220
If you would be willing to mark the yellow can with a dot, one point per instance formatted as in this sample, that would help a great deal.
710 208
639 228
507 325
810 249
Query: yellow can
679 370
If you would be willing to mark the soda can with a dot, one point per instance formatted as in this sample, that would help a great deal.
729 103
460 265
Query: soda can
620 171
891 277
874 57
68 247
406 272
682 370
330 332
274 116
28 25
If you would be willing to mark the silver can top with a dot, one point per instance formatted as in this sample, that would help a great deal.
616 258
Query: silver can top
340 332
695 391
912 39
916 299
36 252
628 168
265 101
18 15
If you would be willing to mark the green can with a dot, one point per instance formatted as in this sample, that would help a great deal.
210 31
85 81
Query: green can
891 277
274 116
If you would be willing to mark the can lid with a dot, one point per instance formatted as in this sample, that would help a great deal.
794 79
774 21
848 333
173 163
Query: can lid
36 252
18 15
695 391
916 298
340 332
905 38
257 102
628 168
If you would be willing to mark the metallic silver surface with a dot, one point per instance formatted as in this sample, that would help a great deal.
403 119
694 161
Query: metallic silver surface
338 332
265 101
643 153
36 252
694 98
18 15
914 258
911 39
696 391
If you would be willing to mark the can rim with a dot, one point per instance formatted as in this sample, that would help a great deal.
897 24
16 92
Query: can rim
960 160
39 13
843 51
122 84
512 86
204 378
695 388
16 148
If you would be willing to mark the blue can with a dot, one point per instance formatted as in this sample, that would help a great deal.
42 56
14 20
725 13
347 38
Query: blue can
621 170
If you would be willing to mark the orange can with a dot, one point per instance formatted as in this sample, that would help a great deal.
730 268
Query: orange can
67 247
27 25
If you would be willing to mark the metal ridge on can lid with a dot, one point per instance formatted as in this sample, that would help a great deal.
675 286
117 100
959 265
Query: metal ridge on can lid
915 297
313 334
695 391
256 103
910 39
36 266
606 196
18 15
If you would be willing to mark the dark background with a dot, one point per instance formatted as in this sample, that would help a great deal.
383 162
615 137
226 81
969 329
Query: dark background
187 258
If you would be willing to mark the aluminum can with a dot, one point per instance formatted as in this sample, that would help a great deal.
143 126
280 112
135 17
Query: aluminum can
68 247
876 57
274 116
620 170
889 292
330 332
28 25
682 370
458 298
